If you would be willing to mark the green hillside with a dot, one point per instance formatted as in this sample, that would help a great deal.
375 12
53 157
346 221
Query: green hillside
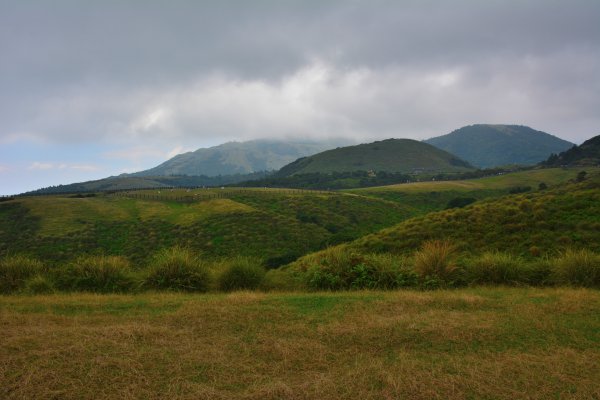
487 146
391 155
529 224
587 154
275 226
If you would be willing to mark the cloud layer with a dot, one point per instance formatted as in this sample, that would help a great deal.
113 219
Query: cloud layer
136 81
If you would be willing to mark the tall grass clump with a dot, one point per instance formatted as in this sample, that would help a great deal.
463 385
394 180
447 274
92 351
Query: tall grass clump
435 263
178 269
39 284
241 273
100 274
497 268
577 267
340 269
15 270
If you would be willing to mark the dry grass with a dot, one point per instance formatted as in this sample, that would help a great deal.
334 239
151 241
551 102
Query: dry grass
476 343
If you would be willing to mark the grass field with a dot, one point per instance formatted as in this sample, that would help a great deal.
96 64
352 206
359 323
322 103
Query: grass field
484 343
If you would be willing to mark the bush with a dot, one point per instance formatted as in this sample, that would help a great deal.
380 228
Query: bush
178 269
577 267
498 268
241 273
101 274
540 271
435 261
460 202
39 284
15 270
338 269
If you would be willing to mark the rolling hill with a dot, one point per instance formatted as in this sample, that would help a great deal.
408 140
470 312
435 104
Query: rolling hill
587 154
391 155
238 158
529 225
266 223
487 146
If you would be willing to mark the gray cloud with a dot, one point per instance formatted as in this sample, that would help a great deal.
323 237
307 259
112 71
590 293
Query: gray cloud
186 72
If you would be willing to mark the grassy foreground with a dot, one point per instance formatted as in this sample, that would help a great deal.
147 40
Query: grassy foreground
485 343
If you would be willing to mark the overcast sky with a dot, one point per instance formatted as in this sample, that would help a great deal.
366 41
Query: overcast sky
90 89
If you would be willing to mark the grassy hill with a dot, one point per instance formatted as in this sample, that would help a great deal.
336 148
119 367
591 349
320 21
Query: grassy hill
587 154
269 224
549 221
487 146
391 155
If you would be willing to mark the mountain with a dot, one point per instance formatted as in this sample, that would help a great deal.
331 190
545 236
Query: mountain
588 153
487 146
391 155
238 158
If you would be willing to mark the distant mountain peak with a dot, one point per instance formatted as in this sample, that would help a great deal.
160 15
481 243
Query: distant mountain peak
235 157
492 145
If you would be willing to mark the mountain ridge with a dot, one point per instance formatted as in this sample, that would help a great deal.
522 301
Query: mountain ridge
493 145
233 158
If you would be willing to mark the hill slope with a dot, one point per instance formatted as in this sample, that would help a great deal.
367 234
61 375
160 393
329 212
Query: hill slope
531 225
588 153
391 155
487 146
270 224
238 158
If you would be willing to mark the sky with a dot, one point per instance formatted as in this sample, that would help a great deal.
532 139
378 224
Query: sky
90 89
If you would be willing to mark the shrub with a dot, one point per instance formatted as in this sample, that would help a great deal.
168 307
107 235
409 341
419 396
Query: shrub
539 272
241 273
498 268
15 270
280 279
577 267
178 268
101 274
337 269
39 284
435 259
460 202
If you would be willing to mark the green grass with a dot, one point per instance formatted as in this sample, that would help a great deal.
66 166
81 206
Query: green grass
273 225
492 343
549 221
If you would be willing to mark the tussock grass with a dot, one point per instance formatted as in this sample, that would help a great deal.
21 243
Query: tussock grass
241 273
338 269
436 259
39 284
178 268
15 270
577 267
497 268
101 274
